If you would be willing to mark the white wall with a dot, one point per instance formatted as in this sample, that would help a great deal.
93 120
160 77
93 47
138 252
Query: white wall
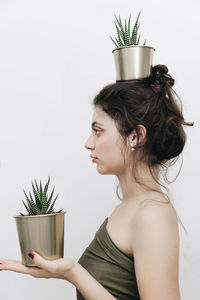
54 57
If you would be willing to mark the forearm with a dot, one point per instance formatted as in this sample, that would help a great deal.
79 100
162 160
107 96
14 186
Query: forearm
87 285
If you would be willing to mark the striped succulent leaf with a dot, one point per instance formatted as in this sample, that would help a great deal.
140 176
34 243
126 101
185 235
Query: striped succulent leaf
135 30
119 35
40 195
51 207
121 30
31 205
50 198
129 24
28 209
124 35
115 42
46 187
138 40
39 203
35 192
44 207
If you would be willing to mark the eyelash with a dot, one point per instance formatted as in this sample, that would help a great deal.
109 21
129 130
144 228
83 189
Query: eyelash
96 130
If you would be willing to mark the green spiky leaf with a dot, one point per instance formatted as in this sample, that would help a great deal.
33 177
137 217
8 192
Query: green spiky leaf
114 42
124 35
36 186
120 36
40 203
41 194
135 29
44 208
33 205
51 207
27 208
129 22
121 29
36 196
46 186
50 198
138 40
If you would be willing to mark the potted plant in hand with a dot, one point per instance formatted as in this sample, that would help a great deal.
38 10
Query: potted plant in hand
41 229
132 61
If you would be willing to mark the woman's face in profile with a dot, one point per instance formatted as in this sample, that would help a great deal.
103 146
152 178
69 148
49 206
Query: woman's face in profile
105 143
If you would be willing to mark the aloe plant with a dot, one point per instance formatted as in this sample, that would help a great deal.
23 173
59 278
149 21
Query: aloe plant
40 203
124 35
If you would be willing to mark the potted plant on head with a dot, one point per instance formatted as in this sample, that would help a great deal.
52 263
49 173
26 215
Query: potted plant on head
41 229
132 61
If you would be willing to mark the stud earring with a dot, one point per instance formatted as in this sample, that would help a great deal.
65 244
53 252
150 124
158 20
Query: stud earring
132 148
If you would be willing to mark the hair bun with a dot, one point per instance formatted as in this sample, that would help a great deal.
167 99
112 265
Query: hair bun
160 76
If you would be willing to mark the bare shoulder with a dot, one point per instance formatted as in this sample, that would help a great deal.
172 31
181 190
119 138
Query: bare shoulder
155 247
158 205
156 216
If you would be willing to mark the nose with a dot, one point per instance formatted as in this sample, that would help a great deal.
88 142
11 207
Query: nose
89 144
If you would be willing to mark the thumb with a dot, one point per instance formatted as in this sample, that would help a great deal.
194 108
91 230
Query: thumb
38 260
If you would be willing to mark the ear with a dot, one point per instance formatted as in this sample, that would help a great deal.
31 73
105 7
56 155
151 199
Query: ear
134 139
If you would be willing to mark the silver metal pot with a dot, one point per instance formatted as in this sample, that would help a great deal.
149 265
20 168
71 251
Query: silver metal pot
41 233
133 62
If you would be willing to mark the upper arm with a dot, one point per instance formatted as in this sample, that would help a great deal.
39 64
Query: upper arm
156 254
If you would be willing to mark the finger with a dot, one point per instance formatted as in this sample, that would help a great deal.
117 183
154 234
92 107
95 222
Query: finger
14 265
41 262
4 263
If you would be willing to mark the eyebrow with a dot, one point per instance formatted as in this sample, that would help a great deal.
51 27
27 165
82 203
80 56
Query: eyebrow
96 123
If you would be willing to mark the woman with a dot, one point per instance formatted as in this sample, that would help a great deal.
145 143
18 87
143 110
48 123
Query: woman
137 130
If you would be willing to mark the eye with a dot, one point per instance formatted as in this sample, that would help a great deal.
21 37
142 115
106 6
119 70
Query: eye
96 131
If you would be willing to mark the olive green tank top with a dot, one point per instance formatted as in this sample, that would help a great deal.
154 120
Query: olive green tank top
110 266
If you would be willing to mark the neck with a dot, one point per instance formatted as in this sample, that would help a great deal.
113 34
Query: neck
134 191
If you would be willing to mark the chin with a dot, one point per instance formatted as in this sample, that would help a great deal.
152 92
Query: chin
105 171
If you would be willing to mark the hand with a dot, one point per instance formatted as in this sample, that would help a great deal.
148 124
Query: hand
60 268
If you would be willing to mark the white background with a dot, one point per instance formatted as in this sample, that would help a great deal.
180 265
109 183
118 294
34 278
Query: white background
55 56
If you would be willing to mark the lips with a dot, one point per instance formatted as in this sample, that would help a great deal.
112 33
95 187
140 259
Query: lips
94 158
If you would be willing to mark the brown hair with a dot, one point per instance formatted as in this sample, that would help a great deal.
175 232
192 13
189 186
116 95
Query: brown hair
150 102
